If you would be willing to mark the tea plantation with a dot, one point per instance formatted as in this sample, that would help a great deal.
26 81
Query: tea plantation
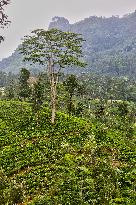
76 161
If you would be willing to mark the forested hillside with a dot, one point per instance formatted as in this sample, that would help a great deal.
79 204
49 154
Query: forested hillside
110 46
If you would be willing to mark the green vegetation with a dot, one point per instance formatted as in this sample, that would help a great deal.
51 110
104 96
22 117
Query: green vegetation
70 139
23 84
75 161
55 50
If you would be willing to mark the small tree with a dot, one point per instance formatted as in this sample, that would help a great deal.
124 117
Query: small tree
10 91
55 50
37 95
71 85
23 82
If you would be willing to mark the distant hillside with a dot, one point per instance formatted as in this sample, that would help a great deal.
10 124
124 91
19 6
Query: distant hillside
110 46
15 62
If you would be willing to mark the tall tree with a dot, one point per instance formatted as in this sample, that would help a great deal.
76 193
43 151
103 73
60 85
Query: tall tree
3 17
55 50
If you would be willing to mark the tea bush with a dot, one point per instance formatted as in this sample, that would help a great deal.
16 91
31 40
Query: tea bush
75 161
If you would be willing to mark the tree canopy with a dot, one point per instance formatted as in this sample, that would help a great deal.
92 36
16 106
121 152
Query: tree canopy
62 48
56 50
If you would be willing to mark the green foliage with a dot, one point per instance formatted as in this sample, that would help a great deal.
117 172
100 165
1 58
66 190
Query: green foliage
88 160
40 92
10 193
71 162
71 86
24 76
61 48
23 82
54 49
108 88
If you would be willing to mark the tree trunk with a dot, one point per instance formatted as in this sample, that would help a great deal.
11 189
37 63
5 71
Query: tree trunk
53 99
53 85
70 104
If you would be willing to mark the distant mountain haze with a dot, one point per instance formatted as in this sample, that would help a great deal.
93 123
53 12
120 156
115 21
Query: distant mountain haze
110 46
27 15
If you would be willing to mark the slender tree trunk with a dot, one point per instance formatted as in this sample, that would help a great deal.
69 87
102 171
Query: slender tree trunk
70 104
53 99
53 86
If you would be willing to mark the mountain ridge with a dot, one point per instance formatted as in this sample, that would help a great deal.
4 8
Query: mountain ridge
110 46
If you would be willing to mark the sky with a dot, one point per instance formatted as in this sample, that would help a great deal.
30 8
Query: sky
27 15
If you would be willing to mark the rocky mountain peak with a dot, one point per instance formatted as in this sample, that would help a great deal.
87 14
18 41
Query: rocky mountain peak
60 23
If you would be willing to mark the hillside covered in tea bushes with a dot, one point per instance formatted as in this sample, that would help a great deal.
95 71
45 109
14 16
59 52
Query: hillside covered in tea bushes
75 161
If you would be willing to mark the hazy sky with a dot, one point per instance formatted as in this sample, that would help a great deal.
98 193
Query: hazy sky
27 15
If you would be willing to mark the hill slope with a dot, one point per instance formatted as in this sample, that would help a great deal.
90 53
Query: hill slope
72 162
110 46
